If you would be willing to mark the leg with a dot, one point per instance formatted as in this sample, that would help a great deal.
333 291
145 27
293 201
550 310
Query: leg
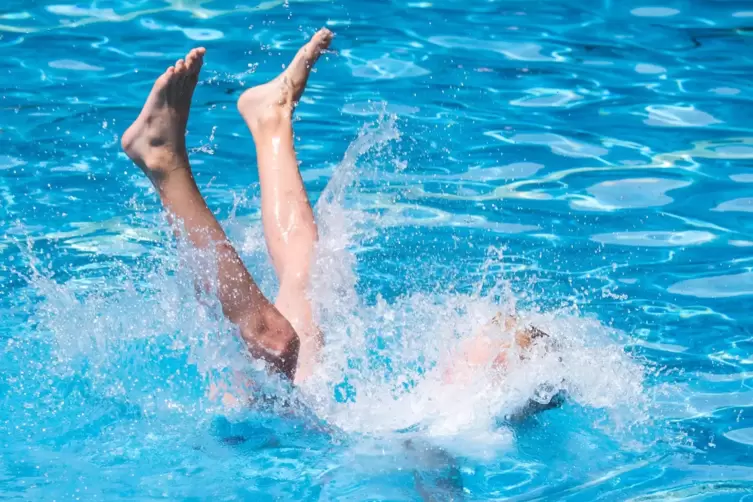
287 217
156 143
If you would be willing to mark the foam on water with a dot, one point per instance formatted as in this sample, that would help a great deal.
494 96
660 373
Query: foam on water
143 338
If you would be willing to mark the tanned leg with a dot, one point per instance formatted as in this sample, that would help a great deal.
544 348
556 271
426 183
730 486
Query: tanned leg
156 143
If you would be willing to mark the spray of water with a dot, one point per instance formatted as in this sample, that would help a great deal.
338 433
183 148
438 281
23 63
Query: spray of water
147 339
383 364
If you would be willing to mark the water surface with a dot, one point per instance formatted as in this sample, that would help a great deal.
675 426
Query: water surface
588 161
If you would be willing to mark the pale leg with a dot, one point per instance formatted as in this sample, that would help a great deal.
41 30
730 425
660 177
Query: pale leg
289 226
156 143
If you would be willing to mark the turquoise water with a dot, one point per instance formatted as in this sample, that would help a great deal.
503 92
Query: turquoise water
589 162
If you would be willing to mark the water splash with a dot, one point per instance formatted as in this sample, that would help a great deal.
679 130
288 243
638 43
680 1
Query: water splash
142 338
383 362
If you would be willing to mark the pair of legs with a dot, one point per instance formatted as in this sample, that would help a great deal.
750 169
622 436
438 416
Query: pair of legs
283 333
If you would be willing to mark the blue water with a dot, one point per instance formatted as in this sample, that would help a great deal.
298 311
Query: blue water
587 160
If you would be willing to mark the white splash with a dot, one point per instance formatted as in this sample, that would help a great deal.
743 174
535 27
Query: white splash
140 331
385 360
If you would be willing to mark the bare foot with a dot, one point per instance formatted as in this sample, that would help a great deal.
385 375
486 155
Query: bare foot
273 102
156 141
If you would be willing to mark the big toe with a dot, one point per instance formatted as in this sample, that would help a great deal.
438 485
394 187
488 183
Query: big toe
318 43
322 38
309 53
195 59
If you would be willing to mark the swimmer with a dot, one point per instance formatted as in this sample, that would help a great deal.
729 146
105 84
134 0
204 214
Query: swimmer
282 333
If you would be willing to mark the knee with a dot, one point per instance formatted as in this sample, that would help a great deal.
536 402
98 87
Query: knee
285 345
272 338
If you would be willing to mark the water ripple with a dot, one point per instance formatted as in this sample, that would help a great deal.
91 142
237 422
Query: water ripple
718 286
590 159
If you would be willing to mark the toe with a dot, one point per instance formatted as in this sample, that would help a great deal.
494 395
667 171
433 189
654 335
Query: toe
323 37
180 66
200 55
317 44
190 60
309 53
194 60
165 77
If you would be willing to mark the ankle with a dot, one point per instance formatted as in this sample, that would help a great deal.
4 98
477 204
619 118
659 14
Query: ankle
173 178
162 163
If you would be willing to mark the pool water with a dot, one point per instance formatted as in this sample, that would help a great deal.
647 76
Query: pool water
587 163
